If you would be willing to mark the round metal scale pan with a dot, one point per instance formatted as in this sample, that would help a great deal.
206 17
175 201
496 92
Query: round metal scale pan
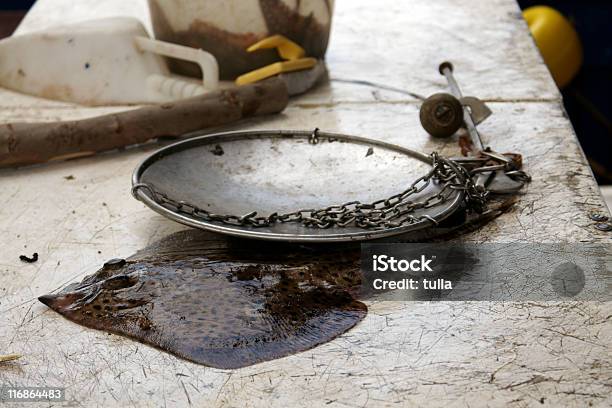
280 171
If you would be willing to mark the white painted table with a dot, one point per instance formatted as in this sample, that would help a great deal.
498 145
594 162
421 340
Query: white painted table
437 354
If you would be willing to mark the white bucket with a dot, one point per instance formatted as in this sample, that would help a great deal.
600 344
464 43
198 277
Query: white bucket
225 28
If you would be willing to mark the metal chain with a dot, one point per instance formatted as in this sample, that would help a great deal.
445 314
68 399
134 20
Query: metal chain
391 212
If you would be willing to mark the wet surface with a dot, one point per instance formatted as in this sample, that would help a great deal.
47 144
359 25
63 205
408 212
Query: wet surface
221 303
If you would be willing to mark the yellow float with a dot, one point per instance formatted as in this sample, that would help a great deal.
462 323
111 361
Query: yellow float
557 40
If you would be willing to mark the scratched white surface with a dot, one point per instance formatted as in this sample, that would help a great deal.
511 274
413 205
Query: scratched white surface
423 354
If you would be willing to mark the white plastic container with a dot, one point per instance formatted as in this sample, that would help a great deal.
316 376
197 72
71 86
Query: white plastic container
225 28
100 62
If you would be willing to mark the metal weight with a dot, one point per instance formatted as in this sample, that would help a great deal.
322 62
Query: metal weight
441 115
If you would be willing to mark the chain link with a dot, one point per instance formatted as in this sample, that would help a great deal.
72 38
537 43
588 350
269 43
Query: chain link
395 211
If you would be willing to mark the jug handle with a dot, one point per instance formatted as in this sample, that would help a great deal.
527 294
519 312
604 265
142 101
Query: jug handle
206 61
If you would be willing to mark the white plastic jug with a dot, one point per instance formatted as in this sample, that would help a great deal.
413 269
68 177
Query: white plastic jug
101 62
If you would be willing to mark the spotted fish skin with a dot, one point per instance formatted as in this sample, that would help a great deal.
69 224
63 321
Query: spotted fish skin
222 303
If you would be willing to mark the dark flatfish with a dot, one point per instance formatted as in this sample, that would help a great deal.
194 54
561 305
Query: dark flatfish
230 303
218 302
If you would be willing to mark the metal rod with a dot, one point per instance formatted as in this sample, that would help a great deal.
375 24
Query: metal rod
446 69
